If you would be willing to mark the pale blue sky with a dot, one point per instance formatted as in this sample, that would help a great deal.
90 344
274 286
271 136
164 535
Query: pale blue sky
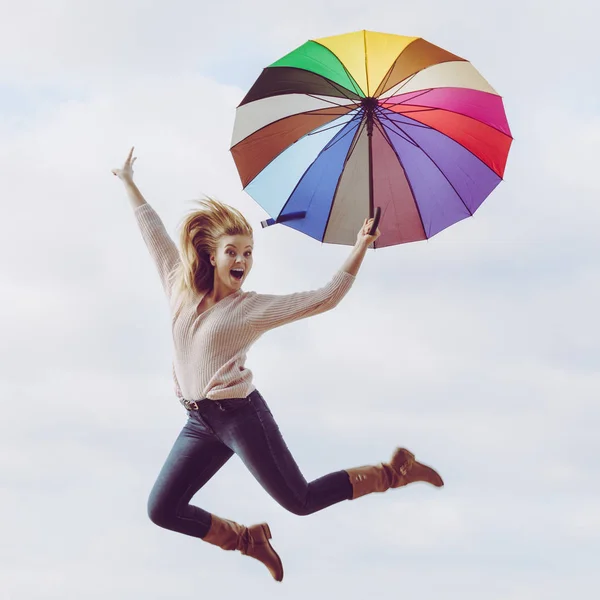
477 349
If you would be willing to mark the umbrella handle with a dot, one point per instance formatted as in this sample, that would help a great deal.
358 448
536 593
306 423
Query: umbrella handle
376 220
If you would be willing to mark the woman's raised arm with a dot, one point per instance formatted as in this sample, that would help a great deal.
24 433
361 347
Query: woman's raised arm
125 174
160 245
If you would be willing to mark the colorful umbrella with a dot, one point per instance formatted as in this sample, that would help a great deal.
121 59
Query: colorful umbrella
347 123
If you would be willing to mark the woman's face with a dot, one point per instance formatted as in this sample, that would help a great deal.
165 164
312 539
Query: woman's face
232 260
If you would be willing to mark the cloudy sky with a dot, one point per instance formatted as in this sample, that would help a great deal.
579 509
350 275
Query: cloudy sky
478 349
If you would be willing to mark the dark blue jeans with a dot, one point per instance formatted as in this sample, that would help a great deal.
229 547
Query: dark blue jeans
213 434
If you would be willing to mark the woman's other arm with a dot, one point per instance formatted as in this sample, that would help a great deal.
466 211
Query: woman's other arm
265 311
363 241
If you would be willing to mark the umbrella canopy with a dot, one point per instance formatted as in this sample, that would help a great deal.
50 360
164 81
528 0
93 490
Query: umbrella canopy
347 123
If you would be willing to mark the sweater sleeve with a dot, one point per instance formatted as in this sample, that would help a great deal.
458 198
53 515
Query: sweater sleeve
162 248
265 311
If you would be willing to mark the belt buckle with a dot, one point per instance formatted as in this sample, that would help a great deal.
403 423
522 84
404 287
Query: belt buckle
189 404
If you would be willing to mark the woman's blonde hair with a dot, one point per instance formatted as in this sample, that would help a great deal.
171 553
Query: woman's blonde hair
199 237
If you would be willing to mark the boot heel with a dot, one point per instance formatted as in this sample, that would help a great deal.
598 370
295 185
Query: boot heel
250 541
266 530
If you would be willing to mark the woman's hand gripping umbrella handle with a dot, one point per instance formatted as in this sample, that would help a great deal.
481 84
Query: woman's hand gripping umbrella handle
366 236
375 221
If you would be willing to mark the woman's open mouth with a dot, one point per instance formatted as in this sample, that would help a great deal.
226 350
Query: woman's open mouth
237 274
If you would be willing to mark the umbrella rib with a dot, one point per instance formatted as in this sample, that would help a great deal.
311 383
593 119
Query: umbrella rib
439 169
448 110
410 77
355 140
400 132
353 145
340 88
333 141
316 132
316 112
385 80
326 147
322 99
421 93
381 113
312 132
423 126
366 62
406 81
357 89
417 109
412 191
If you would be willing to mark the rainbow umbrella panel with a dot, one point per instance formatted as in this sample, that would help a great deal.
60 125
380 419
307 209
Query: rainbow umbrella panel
347 123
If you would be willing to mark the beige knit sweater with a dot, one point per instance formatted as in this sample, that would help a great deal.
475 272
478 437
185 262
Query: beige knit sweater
210 349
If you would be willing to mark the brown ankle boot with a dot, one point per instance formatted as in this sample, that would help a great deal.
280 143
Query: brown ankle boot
401 470
252 541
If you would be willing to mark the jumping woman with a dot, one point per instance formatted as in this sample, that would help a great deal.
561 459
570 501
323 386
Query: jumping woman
214 324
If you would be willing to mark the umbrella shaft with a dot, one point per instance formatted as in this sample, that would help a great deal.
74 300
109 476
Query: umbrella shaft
370 138
369 115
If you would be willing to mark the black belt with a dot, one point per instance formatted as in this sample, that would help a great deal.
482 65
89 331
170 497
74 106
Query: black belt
193 404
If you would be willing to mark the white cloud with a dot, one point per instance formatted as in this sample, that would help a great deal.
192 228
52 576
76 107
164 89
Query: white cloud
477 349
571 154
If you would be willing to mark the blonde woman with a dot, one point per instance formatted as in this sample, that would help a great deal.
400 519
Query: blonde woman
214 323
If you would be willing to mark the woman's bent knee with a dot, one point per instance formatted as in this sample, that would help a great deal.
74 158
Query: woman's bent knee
159 514
298 508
